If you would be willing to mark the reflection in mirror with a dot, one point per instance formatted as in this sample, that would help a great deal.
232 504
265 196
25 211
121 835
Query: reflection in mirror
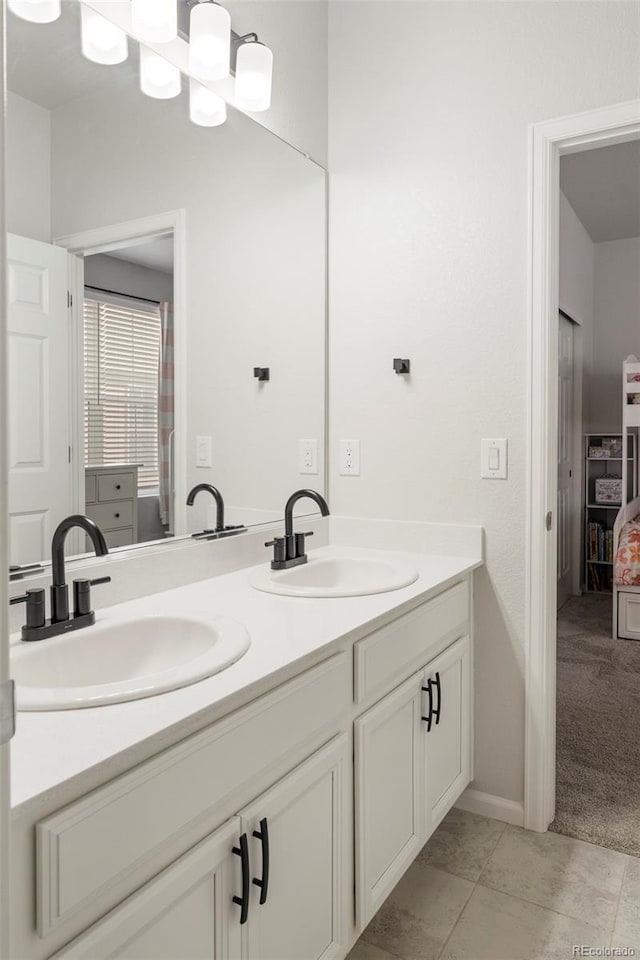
154 266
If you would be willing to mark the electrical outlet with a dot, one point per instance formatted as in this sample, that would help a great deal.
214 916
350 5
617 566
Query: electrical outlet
307 456
203 452
349 458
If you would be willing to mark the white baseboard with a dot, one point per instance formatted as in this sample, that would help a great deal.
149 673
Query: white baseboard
488 805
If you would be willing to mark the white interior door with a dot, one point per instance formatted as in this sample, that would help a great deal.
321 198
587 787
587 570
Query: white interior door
565 458
40 421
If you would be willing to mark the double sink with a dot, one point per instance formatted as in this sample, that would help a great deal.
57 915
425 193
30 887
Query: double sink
129 659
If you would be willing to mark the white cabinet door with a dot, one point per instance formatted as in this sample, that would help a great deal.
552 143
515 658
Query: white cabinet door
187 911
297 834
447 729
390 803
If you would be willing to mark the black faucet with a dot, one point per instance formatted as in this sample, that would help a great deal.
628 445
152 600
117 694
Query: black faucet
36 627
288 551
220 526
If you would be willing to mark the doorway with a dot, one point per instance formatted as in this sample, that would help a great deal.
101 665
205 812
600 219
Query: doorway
549 141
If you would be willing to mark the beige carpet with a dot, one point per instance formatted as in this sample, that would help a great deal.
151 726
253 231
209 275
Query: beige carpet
598 729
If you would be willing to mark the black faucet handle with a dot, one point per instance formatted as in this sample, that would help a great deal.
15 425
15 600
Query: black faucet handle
82 595
279 549
35 602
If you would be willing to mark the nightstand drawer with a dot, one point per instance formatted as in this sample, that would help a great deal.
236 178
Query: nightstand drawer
116 486
112 516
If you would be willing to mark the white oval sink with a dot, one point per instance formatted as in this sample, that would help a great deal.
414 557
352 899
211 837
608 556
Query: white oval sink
114 661
336 577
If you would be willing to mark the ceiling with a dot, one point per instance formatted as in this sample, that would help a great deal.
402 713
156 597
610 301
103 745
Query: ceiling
155 254
603 187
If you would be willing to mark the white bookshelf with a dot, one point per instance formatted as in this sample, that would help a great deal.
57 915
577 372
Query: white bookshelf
599 518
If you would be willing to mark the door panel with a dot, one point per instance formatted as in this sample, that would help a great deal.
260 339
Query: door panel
39 396
448 740
389 777
303 917
565 457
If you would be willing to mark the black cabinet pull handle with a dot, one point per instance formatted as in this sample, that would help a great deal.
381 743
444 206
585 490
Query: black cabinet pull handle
263 835
117 516
428 719
243 902
117 486
439 689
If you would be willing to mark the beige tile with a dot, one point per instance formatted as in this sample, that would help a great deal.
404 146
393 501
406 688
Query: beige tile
572 877
463 843
627 926
366 951
495 926
419 915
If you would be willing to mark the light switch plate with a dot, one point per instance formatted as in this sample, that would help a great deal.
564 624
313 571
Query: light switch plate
203 452
493 459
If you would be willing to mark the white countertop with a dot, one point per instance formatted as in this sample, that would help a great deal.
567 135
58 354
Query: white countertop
52 748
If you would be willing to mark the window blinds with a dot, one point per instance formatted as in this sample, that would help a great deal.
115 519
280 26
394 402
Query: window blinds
121 357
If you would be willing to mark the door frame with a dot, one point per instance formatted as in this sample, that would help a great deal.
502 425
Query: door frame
548 141
141 230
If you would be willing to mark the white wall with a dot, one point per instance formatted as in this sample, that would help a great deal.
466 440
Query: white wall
28 171
130 279
255 224
428 158
617 328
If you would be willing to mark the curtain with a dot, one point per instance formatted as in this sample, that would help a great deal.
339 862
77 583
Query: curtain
165 412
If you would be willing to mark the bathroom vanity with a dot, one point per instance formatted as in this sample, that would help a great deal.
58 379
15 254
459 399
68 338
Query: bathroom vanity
268 811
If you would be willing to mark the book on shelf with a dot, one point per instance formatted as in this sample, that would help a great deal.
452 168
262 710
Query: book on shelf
600 543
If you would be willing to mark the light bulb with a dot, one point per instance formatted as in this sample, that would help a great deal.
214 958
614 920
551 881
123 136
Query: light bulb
206 108
155 21
209 41
254 69
158 77
38 11
102 41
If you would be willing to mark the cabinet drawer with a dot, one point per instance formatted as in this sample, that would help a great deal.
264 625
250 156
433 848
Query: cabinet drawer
87 849
387 656
90 487
628 615
111 516
119 538
116 486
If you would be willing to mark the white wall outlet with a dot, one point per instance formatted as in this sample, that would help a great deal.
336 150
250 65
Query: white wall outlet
493 459
203 452
307 456
349 458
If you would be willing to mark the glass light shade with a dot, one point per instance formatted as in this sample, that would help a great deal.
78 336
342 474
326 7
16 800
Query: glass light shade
206 108
38 11
210 41
158 77
102 41
155 21
254 70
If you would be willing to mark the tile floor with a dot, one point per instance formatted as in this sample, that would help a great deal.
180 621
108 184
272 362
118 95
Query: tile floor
483 890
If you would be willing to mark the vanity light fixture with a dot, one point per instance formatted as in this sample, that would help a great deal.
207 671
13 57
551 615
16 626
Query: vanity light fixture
155 21
254 73
206 108
38 11
209 41
102 41
158 78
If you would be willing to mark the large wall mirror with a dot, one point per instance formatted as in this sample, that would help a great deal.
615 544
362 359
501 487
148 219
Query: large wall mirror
166 304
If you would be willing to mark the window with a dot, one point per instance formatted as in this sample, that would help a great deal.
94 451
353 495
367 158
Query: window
121 357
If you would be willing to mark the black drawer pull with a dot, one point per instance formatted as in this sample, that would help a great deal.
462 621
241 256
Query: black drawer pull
243 902
437 709
429 717
118 486
117 516
263 835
